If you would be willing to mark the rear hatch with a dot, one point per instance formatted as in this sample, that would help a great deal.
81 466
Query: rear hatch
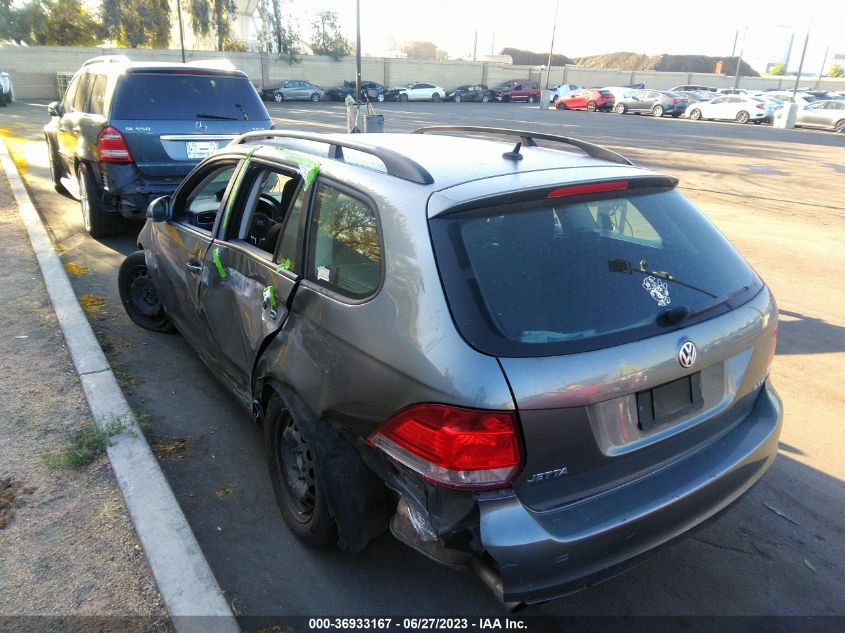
171 119
587 294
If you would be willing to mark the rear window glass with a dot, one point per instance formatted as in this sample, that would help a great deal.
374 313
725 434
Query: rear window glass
584 274
180 96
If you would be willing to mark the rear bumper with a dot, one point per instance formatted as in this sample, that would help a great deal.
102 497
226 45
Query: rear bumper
130 191
545 555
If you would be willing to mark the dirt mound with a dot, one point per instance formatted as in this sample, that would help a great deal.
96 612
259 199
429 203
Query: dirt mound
666 63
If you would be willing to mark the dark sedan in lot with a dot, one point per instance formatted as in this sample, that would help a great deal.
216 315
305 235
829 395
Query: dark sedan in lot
293 91
475 92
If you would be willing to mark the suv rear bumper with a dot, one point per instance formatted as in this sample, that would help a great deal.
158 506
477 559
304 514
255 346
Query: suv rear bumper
129 191
545 555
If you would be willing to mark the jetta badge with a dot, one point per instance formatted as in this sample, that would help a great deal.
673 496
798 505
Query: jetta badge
687 354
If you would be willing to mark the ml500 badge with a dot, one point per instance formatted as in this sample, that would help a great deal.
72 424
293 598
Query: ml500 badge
547 476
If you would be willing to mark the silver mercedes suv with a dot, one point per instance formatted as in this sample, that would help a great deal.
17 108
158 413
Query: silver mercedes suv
523 361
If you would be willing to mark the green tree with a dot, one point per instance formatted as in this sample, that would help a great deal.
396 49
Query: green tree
778 70
52 23
836 70
275 35
137 23
327 38
212 16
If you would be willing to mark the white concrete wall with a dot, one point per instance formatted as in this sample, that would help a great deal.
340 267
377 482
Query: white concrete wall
34 69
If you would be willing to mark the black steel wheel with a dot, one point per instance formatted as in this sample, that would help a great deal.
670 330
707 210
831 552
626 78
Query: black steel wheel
295 475
139 295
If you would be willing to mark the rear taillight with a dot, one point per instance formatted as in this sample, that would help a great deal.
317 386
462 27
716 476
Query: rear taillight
761 106
676 100
772 350
596 187
453 447
112 148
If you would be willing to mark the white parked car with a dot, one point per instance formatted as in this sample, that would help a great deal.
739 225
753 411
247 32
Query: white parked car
737 108
621 92
7 92
802 99
562 90
418 91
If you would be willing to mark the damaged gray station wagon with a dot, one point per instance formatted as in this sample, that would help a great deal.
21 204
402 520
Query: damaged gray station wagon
523 361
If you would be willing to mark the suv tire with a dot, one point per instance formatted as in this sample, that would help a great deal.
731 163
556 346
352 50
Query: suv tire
303 501
139 295
97 222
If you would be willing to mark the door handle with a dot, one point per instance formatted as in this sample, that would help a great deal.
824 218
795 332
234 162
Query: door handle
194 267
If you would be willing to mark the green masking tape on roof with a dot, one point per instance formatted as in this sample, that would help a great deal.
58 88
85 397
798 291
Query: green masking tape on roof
307 168
241 173
215 255
270 296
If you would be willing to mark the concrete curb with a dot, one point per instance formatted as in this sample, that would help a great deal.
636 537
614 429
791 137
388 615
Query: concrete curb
190 592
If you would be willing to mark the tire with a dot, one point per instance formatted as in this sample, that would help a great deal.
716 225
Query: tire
485 99
380 97
561 105
403 98
315 97
278 97
530 99
436 97
97 222
457 98
2 99
839 126
619 108
657 110
695 115
742 116
55 167
302 502
591 106
139 295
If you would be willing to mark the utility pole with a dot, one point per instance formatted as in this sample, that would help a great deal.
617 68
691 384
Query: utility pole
358 49
736 37
181 35
801 63
493 44
821 72
475 45
551 49
741 51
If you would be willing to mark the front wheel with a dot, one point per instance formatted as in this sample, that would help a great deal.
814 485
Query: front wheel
140 296
695 115
380 97
403 98
296 477
840 126
657 110
98 223
457 98
485 99
278 97
591 106
742 117
436 97
619 108
531 99
315 97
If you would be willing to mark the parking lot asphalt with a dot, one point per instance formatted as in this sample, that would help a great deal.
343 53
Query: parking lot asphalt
779 195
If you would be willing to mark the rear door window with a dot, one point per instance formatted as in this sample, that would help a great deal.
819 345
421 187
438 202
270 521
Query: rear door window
345 245
98 94
583 273
167 95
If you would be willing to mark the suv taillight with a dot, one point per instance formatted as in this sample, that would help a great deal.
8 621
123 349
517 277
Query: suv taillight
112 148
453 447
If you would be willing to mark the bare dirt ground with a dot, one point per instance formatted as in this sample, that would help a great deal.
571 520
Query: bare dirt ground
67 547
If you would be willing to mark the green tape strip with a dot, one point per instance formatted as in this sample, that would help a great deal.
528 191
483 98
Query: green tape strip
283 265
215 255
307 168
270 296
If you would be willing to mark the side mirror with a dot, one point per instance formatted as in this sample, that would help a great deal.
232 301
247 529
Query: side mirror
55 109
159 209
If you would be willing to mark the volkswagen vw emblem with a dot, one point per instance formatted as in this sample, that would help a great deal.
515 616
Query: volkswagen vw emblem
687 354
200 125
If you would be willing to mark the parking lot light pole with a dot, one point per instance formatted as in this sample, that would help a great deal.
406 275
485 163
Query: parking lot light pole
544 105
357 49
739 60
801 64
181 34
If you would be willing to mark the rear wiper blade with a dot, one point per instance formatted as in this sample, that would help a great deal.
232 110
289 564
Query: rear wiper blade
218 117
682 313
623 266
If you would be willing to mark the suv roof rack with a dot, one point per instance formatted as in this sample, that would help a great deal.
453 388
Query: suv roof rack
395 163
107 59
529 139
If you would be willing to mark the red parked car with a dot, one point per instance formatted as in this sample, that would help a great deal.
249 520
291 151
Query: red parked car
587 99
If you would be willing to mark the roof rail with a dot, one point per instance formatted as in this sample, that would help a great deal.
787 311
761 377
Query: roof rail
395 163
108 59
529 140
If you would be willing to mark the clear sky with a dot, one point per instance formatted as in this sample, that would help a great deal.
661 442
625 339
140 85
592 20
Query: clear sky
705 27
